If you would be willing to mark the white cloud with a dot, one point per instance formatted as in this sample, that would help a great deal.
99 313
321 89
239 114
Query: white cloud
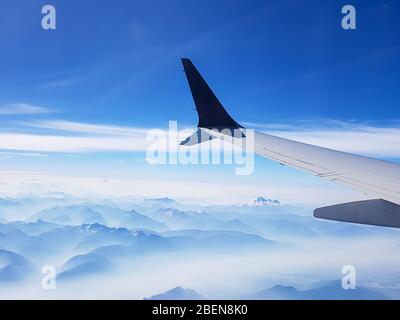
23 109
22 154
80 127
55 143
87 138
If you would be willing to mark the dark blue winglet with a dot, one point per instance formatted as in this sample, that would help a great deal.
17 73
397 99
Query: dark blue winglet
211 112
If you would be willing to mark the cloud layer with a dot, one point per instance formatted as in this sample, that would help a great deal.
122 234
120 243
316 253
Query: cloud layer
68 136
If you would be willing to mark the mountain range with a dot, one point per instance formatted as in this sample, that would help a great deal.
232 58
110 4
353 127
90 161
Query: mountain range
330 291
84 214
89 240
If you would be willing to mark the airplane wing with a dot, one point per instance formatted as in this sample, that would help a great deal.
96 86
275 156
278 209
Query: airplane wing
373 177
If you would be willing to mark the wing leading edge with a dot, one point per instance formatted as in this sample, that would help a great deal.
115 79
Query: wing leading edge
373 177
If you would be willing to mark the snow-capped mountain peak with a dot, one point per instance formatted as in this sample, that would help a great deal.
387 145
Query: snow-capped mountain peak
261 202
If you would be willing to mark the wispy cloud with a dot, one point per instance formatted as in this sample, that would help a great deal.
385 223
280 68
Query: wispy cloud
23 109
86 137
80 127
21 154
70 144
64 82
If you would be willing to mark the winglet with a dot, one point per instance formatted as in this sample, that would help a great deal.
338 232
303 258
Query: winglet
211 112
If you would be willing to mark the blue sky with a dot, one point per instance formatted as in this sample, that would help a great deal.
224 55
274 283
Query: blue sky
118 65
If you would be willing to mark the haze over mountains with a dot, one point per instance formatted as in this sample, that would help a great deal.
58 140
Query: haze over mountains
144 242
